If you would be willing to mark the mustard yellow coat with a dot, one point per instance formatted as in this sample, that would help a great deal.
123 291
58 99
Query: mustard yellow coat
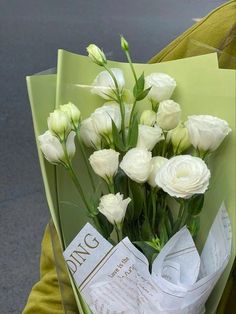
212 31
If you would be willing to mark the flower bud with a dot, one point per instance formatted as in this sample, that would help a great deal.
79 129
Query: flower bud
105 163
157 162
113 207
73 113
89 135
180 139
168 114
162 86
124 44
148 117
149 136
52 148
59 123
96 54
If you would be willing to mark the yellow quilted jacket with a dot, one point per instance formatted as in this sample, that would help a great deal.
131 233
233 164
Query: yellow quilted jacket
47 294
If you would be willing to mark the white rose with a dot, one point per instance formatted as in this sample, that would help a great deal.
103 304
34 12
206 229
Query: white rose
149 136
105 163
52 148
183 176
137 164
148 117
162 85
103 116
206 132
113 207
103 84
72 112
168 114
96 54
157 162
89 134
59 123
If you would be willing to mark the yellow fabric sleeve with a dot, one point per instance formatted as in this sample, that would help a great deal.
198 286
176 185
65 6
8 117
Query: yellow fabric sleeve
45 297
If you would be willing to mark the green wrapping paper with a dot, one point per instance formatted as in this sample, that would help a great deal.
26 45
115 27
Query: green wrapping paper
202 88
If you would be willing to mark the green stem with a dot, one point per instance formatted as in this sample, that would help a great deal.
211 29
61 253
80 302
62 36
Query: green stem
184 217
119 232
78 186
131 65
73 176
132 112
120 101
88 167
154 208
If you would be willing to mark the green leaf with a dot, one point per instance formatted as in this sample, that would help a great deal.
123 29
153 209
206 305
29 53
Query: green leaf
194 226
195 204
139 86
147 250
163 233
105 225
143 94
117 138
137 197
146 230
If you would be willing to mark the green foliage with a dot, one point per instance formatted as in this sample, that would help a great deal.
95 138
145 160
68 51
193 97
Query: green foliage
117 140
138 91
195 204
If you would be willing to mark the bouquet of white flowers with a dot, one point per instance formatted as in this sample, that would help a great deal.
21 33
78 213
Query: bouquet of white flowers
148 173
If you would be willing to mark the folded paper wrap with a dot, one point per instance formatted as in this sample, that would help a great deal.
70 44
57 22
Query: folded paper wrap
117 279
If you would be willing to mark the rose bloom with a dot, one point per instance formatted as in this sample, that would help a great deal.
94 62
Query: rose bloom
105 163
206 132
183 176
137 164
162 85
103 85
52 148
168 114
113 207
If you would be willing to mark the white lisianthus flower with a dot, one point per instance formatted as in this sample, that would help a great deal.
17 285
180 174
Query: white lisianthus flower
168 114
183 176
113 207
104 86
157 162
206 132
137 164
96 54
179 138
149 136
89 134
148 117
73 113
105 163
59 123
102 118
52 148
162 85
